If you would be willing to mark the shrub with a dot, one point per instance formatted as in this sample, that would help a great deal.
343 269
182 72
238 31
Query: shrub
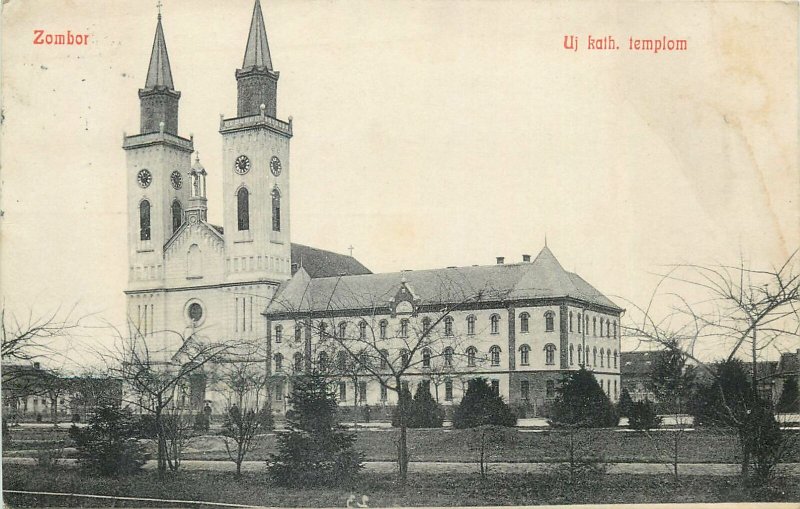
201 422
625 403
481 406
108 445
582 402
643 416
422 411
314 450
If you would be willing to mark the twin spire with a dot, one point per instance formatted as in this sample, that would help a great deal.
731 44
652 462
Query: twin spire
159 73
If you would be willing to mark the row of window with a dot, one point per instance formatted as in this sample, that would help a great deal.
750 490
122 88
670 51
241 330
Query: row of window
344 360
494 326
144 218
243 209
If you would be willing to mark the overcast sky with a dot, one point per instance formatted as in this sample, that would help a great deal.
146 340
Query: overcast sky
426 134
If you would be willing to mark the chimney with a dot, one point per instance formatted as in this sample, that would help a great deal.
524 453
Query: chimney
501 260
526 258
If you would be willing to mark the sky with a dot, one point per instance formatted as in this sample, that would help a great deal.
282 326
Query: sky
426 134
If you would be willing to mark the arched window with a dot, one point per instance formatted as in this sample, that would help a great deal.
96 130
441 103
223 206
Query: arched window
363 359
426 358
322 363
601 327
585 324
448 326
384 359
579 323
594 326
494 355
323 330
471 324
243 209
571 354
342 330
144 220
341 360
448 357
382 327
608 357
278 362
570 321
426 325
608 328
594 356
495 324
549 353
615 329
615 358
276 210
523 322
278 333
580 354
298 333
404 357
524 355
602 355
362 330
549 320
404 328
298 361
177 215
472 352
194 261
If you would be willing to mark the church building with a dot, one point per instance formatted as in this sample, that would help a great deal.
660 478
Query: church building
521 325
188 278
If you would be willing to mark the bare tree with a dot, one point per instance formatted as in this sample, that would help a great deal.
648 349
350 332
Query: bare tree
153 380
30 336
390 355
742 311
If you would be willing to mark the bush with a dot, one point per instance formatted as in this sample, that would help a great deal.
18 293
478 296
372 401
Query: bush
481 406
314 450
643 415
625 403
108 446
421 412
201 422
582 402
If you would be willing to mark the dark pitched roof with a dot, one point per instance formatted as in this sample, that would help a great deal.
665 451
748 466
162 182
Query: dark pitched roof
638 363
159 73
257 52
790 362
542 278
321 263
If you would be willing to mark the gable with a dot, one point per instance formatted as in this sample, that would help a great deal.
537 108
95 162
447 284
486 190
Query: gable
194 255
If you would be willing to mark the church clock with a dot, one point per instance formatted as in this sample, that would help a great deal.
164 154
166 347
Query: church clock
144 177
241 165
176 179
275 165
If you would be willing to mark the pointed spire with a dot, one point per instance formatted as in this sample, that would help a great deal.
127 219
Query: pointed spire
257 52
159 73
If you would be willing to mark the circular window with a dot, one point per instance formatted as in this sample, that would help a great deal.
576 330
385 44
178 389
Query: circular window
195 312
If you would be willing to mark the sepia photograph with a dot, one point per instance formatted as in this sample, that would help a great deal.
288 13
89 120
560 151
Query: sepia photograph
410 253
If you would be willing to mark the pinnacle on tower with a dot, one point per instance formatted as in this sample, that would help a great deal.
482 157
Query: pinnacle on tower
159 99
257 81
257 52
159 73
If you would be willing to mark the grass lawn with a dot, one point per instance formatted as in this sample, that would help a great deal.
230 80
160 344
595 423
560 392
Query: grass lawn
514 445
383 491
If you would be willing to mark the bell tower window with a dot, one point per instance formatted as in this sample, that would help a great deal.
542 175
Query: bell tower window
177 215
276 210
144 220
243 209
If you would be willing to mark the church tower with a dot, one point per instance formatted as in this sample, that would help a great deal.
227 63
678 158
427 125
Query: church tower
256 169
158 164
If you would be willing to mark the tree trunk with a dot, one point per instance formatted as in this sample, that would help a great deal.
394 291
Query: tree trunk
745 456
402 448
162 445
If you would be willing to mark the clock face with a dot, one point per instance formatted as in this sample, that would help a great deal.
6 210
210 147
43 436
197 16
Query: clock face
176 179
144 177
275 165
241 165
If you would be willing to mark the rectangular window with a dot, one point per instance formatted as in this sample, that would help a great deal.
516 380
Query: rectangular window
448 390
550 389
496 387
525 390
384 393
362 391
342 391
279 392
